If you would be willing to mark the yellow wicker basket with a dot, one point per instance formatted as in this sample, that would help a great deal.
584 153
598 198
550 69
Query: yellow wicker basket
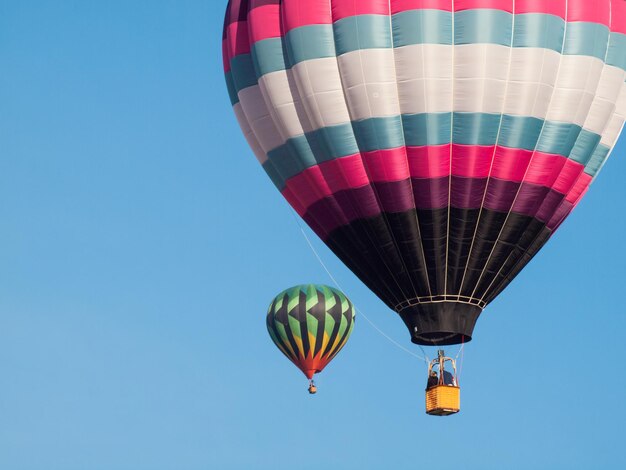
443 400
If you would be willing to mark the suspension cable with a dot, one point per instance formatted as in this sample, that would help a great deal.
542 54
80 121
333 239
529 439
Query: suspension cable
359 311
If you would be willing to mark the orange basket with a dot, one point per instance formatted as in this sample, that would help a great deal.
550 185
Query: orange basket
443 400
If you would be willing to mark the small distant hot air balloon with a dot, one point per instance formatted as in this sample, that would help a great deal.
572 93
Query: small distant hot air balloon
310 324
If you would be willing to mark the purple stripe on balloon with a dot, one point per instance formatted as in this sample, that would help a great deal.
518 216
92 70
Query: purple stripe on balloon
369 201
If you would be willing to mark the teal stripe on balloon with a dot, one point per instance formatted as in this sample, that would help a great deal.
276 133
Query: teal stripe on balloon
243 73
310 42
313 148
427 129
599 156
558 138
483 26
590 39
422 27
274 175
379 133
616 55
584 147
232 91
270 55
518 132
362 32
475 128
426 27
538 30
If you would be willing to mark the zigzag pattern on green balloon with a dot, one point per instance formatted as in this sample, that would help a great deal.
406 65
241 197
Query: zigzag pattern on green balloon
310 324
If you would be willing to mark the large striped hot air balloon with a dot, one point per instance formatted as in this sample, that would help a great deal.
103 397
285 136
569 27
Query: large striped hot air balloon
434 145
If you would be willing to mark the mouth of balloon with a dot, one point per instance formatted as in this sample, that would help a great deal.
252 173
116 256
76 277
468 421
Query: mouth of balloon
440 338
441 323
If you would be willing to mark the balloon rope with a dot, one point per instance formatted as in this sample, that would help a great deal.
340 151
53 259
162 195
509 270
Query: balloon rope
462 353
372 324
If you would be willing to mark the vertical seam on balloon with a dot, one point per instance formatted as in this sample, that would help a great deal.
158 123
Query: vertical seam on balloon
607 123
445 276
252 134
406 155
352 205
493 155
279 124
606 159
608 120
620 114
514 267
534 150
525 252
374 189
357 209
365 166
278 128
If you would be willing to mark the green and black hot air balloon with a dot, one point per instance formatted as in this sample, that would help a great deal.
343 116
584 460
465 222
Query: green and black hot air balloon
310 324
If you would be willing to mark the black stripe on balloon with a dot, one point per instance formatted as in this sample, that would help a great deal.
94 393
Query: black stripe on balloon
393 244
402 233
371 237
320 314
280 341
335 312
341 343
341 241
517 237
304 326
515 265
285 313
270 322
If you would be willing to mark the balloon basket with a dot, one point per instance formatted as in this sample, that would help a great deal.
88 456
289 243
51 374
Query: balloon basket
443 400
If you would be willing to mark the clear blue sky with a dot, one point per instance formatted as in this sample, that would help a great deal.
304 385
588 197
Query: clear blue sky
140 244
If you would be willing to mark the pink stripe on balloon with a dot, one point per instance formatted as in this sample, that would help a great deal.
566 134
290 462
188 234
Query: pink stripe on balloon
387 165
404 5
471 161
302 13
327 178
346 8
296 14
235 12
568 176
589 11
309 186
544 168
293 201
550 172
265 22
550 7
618 16
506 5
345 172
579 188
238 39
429 162
510 164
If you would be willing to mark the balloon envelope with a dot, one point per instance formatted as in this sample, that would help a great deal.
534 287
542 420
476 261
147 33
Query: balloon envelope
310 324
434 145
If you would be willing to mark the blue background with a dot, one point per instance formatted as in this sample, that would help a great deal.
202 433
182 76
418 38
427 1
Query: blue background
140 244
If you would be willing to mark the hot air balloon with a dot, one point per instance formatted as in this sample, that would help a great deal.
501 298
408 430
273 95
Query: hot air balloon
310 324
434 145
